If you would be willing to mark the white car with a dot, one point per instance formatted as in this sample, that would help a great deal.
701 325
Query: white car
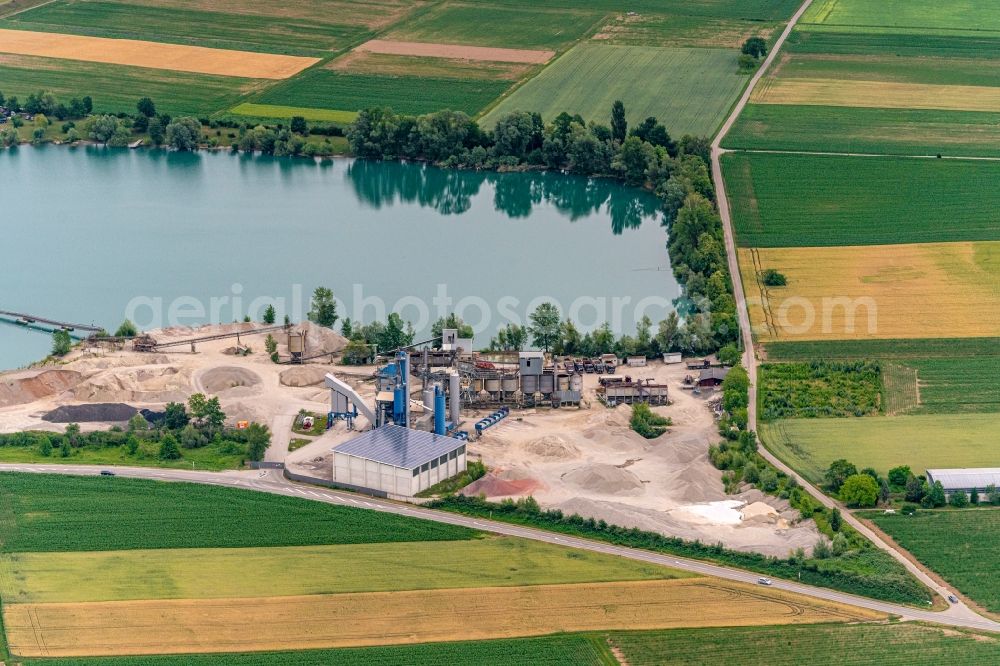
764 581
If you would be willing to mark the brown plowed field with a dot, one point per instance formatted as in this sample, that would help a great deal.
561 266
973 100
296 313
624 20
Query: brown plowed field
380 618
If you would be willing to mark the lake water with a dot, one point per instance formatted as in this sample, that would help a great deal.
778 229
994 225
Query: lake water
94 235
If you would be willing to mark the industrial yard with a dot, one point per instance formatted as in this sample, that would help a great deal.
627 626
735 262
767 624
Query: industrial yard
581 457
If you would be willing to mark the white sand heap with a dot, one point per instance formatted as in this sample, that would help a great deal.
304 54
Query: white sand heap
605 479
217 380
723 512
320 340
304 375
140 384
551 447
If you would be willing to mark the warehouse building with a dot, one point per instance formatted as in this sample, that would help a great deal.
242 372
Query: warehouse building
967 479
395 460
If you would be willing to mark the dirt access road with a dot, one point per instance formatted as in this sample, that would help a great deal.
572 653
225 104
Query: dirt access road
272 481
749 355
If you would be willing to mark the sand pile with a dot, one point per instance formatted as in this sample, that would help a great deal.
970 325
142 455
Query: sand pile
552 447
217 380
605 479
320 340
492 485
142 384
19 388
304 375
759 512
109 412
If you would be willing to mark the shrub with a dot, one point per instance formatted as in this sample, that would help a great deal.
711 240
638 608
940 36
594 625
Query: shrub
647 423
859 490
772 278
959 499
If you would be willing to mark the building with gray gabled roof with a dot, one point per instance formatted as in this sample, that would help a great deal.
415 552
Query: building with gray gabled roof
395 460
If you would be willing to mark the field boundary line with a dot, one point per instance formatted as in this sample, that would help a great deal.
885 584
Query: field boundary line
831 153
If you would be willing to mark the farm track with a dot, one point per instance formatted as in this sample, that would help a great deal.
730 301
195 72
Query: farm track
959 610
274 483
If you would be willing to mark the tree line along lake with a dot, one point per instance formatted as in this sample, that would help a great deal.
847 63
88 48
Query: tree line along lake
94 235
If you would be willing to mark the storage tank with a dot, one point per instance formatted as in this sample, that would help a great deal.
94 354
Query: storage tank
575 382
493 385
563 382
428 400
509 384
529 384
547 384
455 394
440 412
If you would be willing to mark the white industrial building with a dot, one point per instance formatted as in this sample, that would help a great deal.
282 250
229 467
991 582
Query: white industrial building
397 460
968 479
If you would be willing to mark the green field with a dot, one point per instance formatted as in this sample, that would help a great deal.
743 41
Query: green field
962 546
960 375
810 200
924 70
969 45
688 90
533 26
756 10
47 513
275 111
177 25
819 389
844 645
858 130
325 89
204 573
909 16
116 88
883 442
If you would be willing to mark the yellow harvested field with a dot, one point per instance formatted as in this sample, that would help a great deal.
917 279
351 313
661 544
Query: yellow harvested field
383 618
154 55
456 51
877 94
876 291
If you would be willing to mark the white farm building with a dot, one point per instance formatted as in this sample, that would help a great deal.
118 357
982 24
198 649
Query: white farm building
967 479
397 461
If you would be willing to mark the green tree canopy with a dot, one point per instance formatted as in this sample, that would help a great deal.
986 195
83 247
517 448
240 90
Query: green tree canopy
324 308
859 490
545 326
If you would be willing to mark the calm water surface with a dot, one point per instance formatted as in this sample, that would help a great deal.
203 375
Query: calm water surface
93 235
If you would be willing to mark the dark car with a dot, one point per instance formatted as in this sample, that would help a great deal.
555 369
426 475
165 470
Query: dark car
952 598
107 472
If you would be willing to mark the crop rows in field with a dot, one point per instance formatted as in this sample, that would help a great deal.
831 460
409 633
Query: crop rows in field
887 291
116 88
845 645
353 619
883 442
206 573
909 16
489 24
962 546
688 90
865 130
955 375
324 89
62 513
179 25
819 389
971 45
556 650
782 200
757 10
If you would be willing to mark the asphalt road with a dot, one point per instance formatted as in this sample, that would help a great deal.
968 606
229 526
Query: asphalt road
272 481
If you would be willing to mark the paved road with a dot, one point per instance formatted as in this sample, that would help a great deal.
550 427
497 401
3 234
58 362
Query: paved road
750 358
272 481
